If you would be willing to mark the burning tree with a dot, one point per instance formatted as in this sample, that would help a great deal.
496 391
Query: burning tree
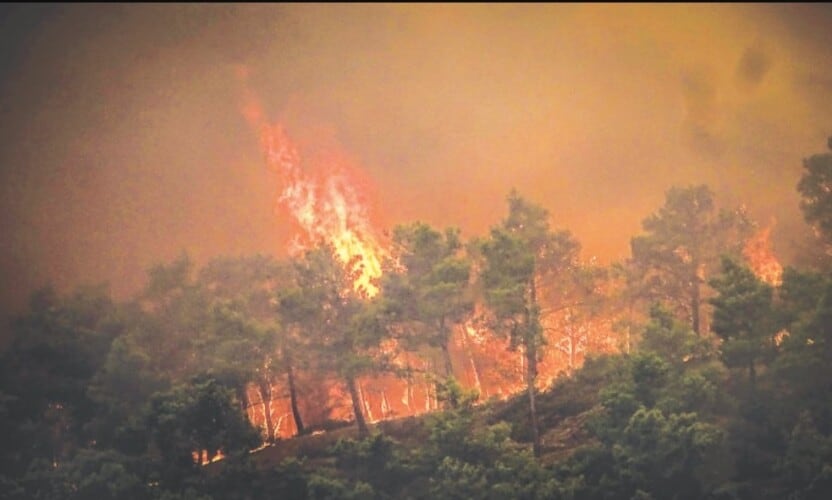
343 326
761 258
327 207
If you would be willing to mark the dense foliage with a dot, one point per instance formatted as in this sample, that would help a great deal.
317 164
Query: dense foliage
722 388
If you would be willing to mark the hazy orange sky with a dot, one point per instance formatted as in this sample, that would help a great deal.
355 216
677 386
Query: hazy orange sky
123 143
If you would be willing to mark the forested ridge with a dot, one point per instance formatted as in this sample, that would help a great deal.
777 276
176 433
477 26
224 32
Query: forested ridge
502 366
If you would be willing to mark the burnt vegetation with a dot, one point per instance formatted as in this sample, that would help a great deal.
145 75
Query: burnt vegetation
681 373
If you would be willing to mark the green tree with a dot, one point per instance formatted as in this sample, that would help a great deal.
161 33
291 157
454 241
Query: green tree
676 343
220 320
121 388
200 415
815 187
174 326
744 317
247 341
464 459
432 290
694 373
239 350
681 245
662 454
808 453
803 369
58 346
520 252
344 329
799 294
89 475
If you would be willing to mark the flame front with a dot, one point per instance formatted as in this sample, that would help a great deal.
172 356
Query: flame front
761 257
328 208
320 195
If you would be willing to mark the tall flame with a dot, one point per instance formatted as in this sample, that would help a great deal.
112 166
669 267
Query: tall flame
328 208
761 257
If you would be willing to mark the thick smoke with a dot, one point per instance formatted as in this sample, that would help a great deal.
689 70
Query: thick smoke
122 144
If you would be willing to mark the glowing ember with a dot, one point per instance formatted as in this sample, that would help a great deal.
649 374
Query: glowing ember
761 257
328 208
202 457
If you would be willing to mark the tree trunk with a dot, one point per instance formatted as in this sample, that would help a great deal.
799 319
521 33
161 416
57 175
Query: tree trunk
293 399
695 304
752 376
629 325
408 395
242 397
352 386
446 348
446 355
366 404
266 397
477 382
532 325
531 375
466 344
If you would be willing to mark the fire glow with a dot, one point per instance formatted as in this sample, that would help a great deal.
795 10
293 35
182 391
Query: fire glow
761 257
328 208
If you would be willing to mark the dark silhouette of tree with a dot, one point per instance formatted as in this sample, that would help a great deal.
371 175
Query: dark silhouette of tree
681 248
430 294
744 317
343 327
519 253
815 187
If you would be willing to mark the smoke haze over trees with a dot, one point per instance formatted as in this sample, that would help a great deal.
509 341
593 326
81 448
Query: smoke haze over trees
134 398
122 143
500 251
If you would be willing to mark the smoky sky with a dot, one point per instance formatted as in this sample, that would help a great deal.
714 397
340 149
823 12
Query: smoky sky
123 144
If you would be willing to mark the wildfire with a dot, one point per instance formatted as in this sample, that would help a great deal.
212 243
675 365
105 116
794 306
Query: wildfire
328 208
321 196
761 257
202 457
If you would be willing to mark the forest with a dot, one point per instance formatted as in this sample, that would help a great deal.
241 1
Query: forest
502 366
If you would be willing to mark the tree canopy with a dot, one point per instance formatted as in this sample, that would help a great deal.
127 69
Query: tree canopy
721 388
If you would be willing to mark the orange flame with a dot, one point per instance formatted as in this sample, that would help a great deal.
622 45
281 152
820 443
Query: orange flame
328 208
761 257
201 457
